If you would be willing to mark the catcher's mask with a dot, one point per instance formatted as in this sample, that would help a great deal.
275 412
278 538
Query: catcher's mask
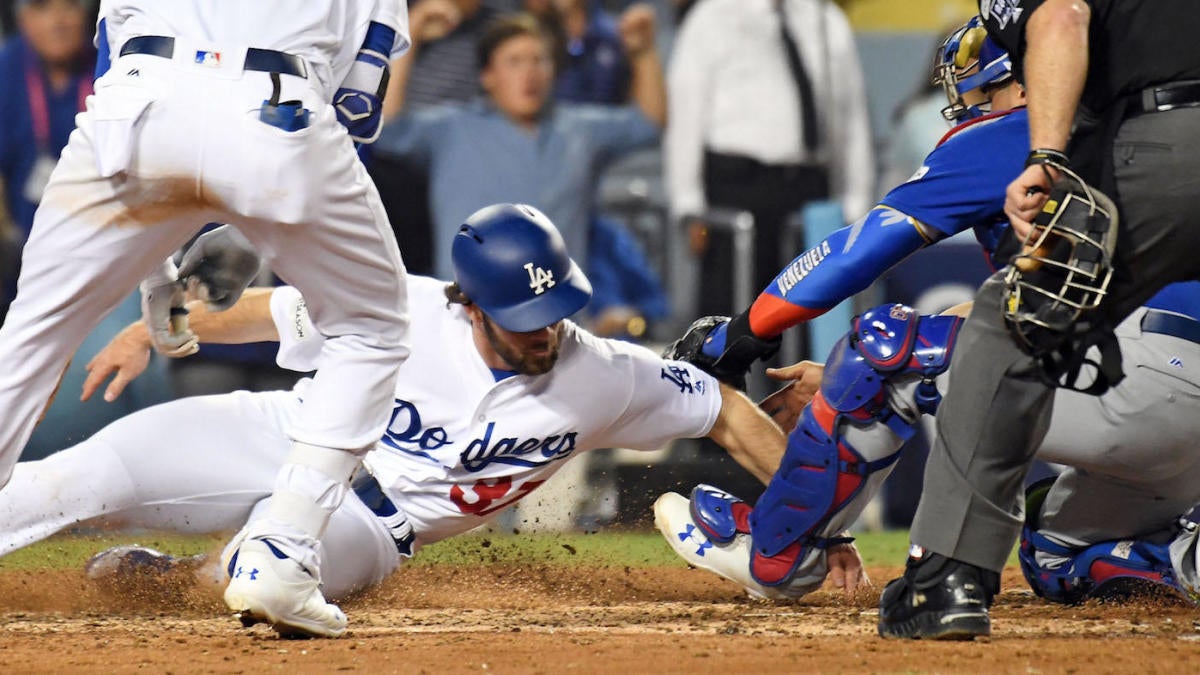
1055 285
968 59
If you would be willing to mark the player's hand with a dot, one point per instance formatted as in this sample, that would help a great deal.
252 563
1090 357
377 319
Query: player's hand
166 320
846 569
1025 197
431 20
637 26
803 382
127 355
219 266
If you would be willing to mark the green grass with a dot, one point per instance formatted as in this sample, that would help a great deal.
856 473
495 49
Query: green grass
613 548
65 551
608 548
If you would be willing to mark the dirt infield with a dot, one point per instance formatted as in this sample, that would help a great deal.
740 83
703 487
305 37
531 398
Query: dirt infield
547 618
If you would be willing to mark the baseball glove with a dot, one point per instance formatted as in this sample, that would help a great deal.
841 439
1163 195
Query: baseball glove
742 348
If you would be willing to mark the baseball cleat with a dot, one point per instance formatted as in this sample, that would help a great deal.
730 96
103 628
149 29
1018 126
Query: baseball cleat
938 598
266 586
731 560
126 561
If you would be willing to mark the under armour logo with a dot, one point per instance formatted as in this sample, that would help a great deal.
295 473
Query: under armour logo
703 544
253 573
539 279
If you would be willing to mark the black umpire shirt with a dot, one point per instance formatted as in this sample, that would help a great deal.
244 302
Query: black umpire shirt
1132 43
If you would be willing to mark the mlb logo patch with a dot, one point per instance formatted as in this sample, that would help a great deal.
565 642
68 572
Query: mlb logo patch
208 58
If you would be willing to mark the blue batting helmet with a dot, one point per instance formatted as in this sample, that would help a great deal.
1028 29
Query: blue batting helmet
510 260
969 59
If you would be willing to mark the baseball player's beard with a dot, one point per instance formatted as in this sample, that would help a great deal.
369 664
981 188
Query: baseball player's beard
518 358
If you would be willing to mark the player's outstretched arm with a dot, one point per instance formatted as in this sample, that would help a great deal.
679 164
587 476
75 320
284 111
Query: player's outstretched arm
845 263
128 354
748 434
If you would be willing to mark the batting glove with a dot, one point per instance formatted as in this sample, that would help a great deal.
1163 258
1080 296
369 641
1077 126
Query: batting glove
164 314
219 266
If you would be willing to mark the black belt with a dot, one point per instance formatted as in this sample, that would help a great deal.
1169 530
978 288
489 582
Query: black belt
1163 97
1174 325
264 60
372 494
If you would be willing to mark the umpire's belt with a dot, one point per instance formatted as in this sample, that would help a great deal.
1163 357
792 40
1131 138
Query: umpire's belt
1163 97
264 60
1174 325
372 494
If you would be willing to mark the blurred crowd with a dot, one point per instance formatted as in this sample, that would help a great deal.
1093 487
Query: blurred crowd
660 136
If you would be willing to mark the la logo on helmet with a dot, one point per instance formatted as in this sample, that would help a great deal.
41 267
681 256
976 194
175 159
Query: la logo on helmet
539 279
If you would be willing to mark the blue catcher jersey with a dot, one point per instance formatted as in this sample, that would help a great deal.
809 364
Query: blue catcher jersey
962 182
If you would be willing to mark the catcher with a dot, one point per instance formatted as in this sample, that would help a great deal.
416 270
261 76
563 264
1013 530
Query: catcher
501 389
1109 518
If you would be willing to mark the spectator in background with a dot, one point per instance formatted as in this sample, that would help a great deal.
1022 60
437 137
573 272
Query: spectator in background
590 58
768 113
46 72
514 144
443 71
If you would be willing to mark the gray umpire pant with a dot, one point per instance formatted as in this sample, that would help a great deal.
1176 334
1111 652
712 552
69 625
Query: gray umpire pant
996 411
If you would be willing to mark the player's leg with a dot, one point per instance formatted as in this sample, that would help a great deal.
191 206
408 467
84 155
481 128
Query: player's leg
325 231
877 383
356 551
93 239
192 465
1133 472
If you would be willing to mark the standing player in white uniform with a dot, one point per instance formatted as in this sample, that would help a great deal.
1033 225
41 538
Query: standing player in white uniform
224 111
500 390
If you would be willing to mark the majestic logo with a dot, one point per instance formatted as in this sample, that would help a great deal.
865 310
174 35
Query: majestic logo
539 279
1001 11
481 452
682 377
406 433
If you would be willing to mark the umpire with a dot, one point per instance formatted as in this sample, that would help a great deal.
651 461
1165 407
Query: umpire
1126 73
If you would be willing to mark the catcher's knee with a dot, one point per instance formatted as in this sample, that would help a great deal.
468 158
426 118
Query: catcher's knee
825 476
1109 570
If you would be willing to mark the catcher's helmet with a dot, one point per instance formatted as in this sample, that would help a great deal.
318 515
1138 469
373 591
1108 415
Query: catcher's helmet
510 260
969 59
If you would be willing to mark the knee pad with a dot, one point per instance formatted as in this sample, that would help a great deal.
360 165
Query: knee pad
821 473
1110 570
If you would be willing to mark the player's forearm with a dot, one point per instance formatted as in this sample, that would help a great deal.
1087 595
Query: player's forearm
648 87
247 321
845 263
748 435
1056 64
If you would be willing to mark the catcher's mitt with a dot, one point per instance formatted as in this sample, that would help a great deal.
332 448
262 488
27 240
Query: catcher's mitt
1055 285
742 348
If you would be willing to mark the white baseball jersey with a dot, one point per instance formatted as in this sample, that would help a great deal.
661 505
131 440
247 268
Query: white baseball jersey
461 446
327 34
